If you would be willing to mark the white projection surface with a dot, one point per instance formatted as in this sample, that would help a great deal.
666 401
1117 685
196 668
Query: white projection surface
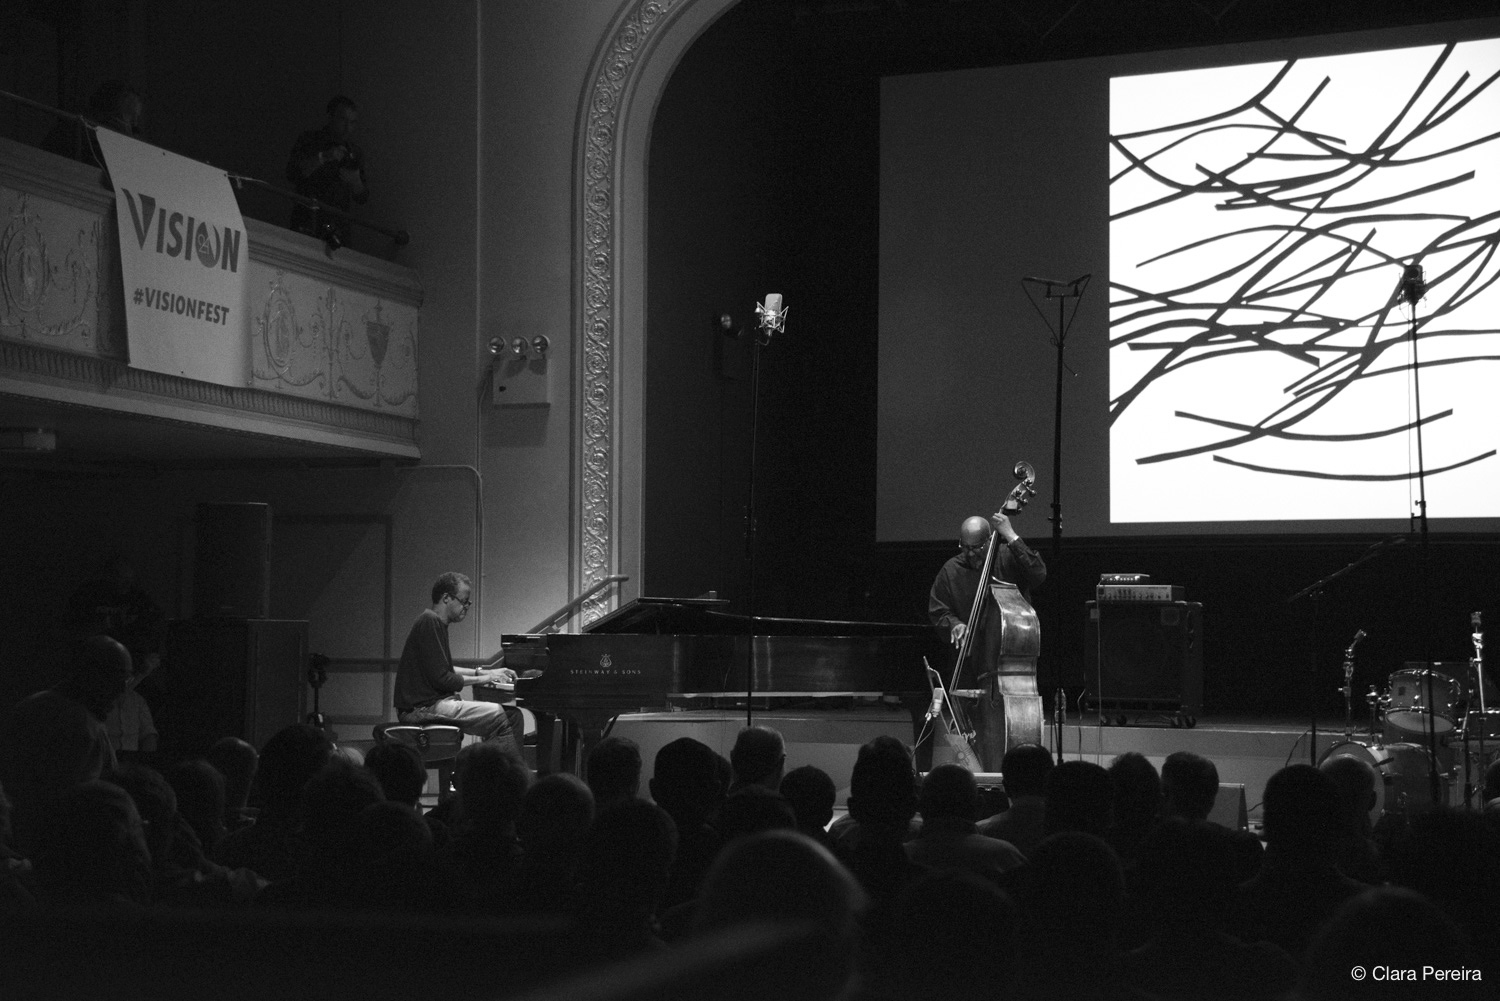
1260 349
1241 362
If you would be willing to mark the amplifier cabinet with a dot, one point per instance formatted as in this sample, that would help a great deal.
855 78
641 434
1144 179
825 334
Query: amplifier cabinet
1145 656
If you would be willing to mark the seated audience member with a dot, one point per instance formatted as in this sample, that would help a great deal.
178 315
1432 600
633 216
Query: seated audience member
181 875
399 769
686 783
1024 770
1388 927
555 817
1452 857
753 809
949 804
328 872
1189 786
614 771
1137 802
1492 787
237 761
93 850
1186 882
55 739
812 794
1299 885
758 758
1080 797
882 801
14 870
1356 855
782 877
200 799
131 728
273 846
326 164
483 855
953 937
392 867
1072 898
622 876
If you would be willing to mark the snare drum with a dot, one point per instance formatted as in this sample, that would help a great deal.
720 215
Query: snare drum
1483 726
1409 708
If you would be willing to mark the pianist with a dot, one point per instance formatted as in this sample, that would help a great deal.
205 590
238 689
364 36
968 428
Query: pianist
428 685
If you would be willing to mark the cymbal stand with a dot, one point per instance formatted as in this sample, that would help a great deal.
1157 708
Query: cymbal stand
1348 688
1476 622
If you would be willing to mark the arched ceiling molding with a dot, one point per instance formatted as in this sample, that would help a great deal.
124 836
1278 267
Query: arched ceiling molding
625 83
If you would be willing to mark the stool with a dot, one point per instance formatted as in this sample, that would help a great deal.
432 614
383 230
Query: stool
437 743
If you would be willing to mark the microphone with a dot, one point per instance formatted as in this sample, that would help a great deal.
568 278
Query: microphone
937 704
1412 285
772 315
1359 634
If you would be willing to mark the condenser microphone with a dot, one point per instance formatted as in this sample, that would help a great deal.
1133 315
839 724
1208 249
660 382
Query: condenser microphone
772 315
1412 285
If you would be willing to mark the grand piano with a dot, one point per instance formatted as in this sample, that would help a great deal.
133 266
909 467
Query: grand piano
654 652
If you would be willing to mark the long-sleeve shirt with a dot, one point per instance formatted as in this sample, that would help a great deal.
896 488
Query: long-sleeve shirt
953 591
426 673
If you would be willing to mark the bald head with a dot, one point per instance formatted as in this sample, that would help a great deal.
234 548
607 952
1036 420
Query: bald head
975 531
98 671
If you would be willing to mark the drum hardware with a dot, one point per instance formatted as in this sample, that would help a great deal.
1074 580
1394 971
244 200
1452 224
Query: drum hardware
1481 726
1347 688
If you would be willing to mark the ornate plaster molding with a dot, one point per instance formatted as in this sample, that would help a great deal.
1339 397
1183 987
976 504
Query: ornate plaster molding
597 459
106 384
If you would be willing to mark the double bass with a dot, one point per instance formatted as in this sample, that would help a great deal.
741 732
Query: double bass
1006 705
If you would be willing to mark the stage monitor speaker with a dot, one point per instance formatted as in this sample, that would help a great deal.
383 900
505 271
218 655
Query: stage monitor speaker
1229 807
232 561
1152 656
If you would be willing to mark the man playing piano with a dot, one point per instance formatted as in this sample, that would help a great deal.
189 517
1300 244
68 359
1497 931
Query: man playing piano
428 685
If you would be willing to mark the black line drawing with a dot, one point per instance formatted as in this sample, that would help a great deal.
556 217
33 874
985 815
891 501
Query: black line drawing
1298 239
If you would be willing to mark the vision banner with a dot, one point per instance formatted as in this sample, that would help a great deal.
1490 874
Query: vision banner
184 257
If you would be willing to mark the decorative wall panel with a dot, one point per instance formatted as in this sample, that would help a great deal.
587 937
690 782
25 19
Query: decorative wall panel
49 274
320 341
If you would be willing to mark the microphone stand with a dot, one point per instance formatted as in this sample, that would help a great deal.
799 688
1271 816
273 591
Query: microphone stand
1315 592
1412 289
772 321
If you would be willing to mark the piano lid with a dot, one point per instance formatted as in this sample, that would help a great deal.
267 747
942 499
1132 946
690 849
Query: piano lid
707 617
657 615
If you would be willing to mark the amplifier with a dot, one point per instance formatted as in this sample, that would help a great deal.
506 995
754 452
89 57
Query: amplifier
1140 592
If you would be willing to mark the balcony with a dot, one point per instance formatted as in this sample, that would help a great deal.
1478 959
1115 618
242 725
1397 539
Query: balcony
332 338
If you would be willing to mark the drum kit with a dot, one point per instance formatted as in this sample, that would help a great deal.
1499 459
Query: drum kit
1433 732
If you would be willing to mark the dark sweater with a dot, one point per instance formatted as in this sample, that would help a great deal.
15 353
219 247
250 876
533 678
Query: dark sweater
426 673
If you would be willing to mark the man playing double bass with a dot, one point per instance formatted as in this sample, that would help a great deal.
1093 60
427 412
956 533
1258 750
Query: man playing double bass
953 591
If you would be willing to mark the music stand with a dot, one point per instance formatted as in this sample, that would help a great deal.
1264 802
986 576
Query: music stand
1063 293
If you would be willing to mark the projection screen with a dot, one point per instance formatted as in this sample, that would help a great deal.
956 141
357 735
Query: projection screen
1242 360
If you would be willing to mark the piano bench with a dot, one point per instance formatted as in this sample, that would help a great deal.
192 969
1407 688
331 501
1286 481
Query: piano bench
437 743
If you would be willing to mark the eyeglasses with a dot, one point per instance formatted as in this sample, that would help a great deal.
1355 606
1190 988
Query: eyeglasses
974 549
466 602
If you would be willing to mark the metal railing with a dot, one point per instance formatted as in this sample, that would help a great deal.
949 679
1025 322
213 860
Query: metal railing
399 236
